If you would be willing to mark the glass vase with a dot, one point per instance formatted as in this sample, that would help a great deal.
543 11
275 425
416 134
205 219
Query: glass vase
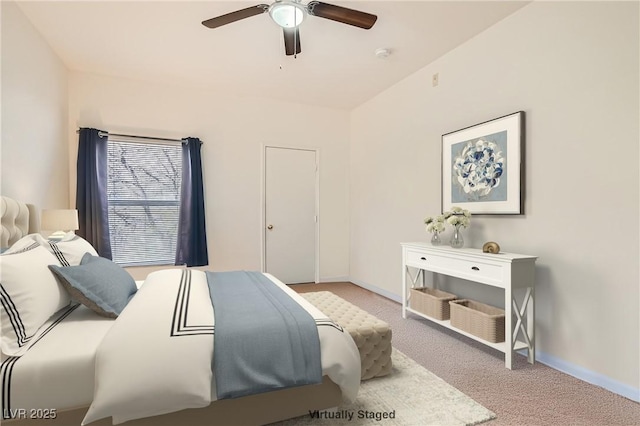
456 239
435 239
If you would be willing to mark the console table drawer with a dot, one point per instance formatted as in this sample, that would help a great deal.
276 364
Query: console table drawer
419 258
471 270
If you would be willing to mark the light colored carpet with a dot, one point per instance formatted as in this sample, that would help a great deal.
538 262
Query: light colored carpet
411 395
528 395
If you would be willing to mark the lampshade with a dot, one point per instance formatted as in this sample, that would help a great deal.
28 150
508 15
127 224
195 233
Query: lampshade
287 14
59 220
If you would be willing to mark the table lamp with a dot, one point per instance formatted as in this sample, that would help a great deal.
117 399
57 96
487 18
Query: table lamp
60 221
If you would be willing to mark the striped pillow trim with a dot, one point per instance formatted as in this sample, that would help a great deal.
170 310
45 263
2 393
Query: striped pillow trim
22 250
58 253
10 307
14 317
6 367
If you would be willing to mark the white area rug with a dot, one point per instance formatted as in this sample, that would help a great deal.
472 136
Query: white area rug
409 396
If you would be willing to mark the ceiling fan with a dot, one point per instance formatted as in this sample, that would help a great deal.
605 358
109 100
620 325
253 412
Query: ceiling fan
289 14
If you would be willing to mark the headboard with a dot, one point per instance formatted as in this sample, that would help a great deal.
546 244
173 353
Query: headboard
18 219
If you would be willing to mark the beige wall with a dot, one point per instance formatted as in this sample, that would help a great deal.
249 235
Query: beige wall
233 129
573 68
34 115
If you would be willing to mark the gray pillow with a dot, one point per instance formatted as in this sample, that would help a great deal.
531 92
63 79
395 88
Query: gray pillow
97 283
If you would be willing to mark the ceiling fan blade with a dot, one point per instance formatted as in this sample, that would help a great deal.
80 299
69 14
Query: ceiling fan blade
235 16
291 38
342 14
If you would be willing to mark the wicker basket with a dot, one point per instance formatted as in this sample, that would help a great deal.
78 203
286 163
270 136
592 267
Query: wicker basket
431 302
484 321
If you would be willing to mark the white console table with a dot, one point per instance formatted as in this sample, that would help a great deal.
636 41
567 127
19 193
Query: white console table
507 271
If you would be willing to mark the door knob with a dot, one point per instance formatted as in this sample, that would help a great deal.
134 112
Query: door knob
270 227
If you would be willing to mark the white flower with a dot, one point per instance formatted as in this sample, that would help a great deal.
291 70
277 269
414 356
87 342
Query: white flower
435 227
458 216
434 224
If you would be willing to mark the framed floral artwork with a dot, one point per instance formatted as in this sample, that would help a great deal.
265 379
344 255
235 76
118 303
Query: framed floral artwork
482 167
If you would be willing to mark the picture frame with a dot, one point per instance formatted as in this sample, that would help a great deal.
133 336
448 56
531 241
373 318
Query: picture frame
482 167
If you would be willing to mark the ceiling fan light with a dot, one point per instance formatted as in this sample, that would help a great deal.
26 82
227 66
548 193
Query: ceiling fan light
287 14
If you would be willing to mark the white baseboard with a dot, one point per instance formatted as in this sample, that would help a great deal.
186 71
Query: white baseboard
589 376
334 279
378 290
554 362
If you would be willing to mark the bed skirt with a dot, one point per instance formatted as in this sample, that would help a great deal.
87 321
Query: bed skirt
249 410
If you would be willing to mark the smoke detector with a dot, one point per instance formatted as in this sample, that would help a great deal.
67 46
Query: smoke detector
382 52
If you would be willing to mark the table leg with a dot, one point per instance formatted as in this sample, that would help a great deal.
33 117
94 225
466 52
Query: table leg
404 290
531 328
508 328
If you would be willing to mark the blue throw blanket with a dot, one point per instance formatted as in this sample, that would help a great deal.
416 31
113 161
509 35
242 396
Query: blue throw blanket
264 340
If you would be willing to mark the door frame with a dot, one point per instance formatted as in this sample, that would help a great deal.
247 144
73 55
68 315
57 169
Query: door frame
263 200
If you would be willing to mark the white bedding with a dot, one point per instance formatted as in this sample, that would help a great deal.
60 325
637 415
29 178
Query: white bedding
157 356
58 370
61 370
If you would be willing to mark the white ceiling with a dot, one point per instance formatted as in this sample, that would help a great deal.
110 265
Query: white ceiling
165 42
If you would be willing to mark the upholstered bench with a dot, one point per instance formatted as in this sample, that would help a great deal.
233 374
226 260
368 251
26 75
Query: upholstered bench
372 336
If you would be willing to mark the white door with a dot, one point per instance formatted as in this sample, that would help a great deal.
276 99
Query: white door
290 214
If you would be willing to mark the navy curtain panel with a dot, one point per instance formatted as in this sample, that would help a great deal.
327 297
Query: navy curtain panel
191 249
91 191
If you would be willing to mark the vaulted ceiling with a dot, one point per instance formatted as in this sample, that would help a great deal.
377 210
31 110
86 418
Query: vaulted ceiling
164 41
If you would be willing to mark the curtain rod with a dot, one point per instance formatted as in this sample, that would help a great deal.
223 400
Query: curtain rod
137 137
142 137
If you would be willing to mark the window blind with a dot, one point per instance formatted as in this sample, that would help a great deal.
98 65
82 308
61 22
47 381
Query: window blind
143 190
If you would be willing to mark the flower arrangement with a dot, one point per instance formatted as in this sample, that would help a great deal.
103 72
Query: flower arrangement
458 217
435 223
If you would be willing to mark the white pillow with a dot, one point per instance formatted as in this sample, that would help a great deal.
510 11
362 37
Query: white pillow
24 243
29 295
69 250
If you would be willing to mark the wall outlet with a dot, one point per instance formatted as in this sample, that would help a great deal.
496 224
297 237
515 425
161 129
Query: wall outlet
434 80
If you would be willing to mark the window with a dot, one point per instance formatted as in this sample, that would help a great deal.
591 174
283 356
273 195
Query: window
143 191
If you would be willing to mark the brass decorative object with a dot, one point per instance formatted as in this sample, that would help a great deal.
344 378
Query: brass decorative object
491 247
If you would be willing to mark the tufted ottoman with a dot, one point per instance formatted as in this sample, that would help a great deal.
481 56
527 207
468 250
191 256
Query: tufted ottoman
372 336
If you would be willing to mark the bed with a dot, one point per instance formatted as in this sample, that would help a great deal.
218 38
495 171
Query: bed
53 381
